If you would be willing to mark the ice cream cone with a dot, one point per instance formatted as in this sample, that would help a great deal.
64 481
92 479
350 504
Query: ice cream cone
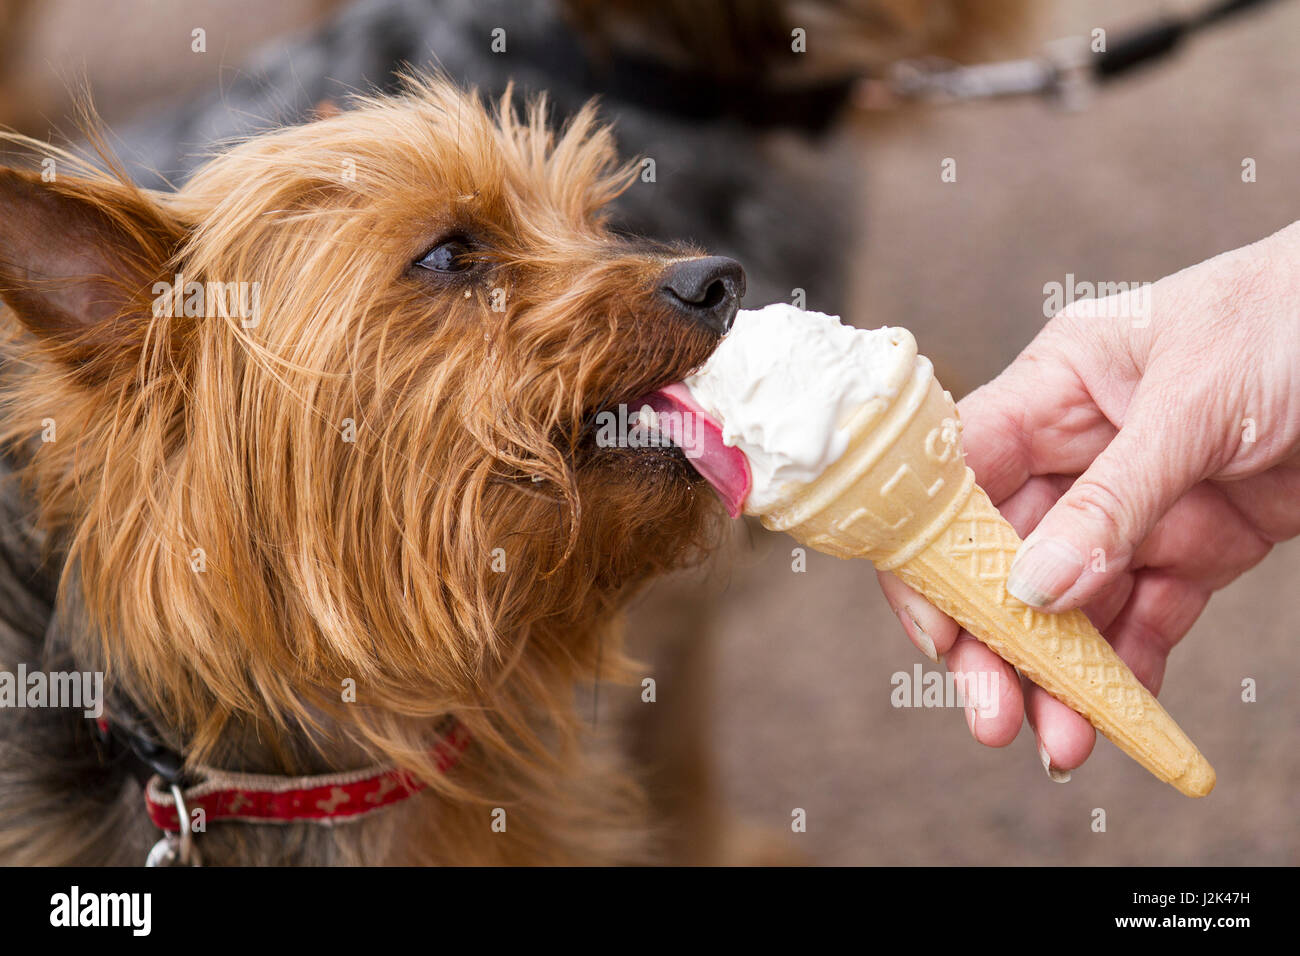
902 497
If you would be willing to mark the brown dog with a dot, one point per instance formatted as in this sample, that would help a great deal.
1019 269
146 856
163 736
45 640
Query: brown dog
307 467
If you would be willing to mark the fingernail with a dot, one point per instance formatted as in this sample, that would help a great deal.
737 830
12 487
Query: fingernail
971 717
1043 570
1056 776
917 633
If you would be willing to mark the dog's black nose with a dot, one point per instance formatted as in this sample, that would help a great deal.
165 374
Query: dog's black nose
707 289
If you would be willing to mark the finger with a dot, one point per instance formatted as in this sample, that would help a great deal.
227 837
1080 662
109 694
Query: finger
1103 609
1268 500
1091 534
1161 610
932 631
994 705
1036 418
1026 507
1065 739
1204 537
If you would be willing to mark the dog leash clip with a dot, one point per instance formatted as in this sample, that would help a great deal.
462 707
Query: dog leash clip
176 849
1063 74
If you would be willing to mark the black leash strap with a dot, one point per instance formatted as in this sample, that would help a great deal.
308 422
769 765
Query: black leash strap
1161 37
1065 72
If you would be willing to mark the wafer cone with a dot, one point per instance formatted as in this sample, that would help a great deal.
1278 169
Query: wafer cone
902 497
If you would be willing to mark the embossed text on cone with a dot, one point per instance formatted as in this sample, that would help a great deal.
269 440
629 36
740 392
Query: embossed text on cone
902 497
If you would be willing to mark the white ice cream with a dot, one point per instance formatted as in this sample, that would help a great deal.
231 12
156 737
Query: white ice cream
784 384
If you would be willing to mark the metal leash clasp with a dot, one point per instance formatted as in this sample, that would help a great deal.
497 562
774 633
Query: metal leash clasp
1063 74
176 849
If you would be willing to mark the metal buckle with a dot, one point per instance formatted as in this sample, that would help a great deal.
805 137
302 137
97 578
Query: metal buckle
176 849
1062 74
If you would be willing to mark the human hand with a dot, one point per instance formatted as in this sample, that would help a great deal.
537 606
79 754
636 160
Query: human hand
1150 452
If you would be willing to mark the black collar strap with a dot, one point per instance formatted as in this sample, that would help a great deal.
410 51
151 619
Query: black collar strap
130 738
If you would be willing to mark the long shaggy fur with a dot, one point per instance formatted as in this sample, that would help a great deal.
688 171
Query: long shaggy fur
231 557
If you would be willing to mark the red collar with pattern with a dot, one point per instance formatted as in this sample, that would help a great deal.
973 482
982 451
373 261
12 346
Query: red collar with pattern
325 799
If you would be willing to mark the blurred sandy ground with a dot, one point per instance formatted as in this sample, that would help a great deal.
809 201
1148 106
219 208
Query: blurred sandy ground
1145 182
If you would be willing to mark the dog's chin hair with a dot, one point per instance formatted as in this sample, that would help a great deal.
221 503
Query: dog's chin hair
239 560
655 498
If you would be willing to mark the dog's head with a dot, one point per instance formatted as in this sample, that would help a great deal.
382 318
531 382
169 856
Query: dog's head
334 410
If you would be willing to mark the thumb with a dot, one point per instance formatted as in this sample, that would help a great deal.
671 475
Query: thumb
1090 535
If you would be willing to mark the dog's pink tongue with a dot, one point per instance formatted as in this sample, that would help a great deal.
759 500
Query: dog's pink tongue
700 438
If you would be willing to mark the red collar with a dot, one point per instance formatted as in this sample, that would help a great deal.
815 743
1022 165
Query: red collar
326 799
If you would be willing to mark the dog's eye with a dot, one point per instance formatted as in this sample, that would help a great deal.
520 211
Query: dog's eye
450 255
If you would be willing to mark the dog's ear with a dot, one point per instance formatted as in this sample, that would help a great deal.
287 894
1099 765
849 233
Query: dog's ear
77 260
